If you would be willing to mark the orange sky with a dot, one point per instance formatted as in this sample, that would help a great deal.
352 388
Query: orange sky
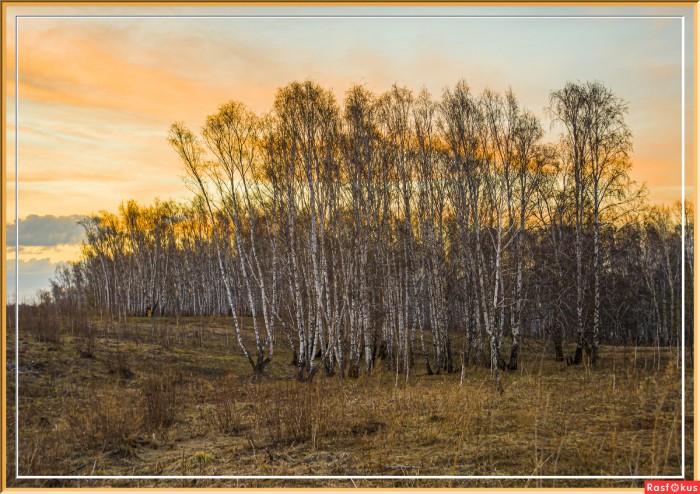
97 95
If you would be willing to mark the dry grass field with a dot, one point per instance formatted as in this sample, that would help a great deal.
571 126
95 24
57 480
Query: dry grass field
177 399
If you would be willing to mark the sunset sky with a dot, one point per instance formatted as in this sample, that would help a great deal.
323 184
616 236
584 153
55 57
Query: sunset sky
97 94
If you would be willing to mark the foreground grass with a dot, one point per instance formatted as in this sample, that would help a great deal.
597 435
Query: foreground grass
178 399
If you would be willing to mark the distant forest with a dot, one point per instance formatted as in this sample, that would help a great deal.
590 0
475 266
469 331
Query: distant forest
394 226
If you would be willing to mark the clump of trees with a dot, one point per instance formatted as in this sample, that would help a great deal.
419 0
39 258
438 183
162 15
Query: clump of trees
386 227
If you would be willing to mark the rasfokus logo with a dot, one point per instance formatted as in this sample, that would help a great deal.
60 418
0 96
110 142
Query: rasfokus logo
671 486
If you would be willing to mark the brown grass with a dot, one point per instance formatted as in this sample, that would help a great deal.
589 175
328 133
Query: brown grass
192 407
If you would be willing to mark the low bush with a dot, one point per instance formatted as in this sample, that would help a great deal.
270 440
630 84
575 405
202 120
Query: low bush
119 363
160 399
108 424
228 415
85 337
41 321
295 412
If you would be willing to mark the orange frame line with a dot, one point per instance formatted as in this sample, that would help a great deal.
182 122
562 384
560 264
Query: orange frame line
695 154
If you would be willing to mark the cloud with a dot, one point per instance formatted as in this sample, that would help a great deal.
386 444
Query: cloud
34 275
97 95
46 230
54 253
69 62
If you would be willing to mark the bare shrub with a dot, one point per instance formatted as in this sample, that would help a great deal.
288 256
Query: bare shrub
162 333
41 321
160 399
298 412
85 338
110 424
119 363
228 415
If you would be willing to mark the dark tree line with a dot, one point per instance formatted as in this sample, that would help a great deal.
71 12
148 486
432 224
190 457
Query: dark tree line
396 225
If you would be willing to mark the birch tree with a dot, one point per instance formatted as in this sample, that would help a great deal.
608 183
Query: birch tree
609 146
568 106
191 153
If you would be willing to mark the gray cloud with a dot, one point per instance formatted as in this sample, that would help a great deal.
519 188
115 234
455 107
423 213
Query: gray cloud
46 230
34 275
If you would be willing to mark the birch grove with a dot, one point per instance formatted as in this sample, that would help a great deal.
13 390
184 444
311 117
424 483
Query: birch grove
402 230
